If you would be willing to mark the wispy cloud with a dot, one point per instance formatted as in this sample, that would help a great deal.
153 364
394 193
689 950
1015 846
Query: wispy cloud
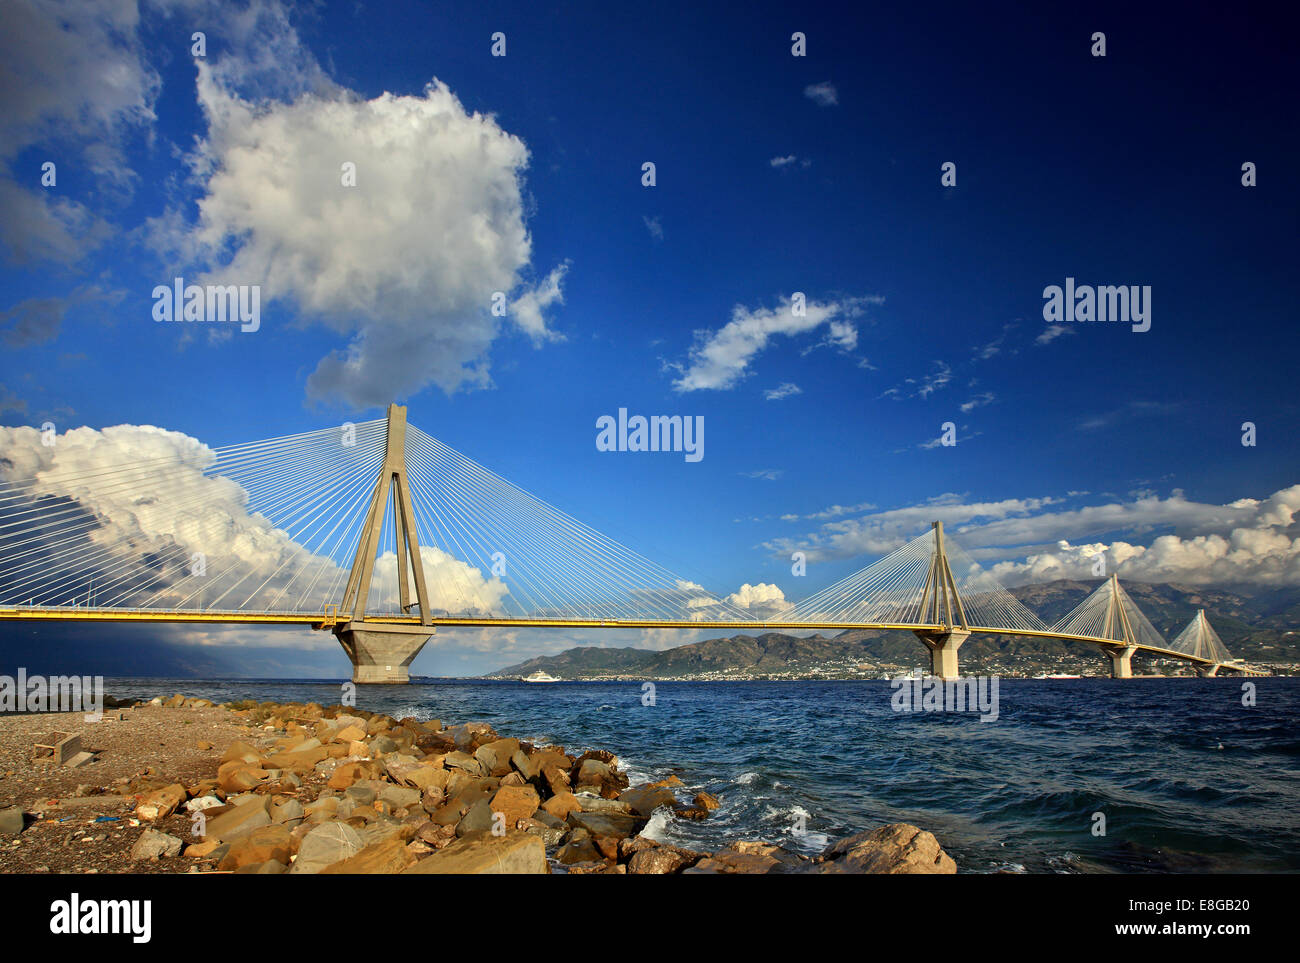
823 94
655 226
783 390
1052 332
720 359
1129 411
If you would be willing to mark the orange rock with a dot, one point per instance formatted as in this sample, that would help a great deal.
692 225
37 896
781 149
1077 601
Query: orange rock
346 774
561 804
241 751
516 802
350 734
389 856
238 776
161 802
267 842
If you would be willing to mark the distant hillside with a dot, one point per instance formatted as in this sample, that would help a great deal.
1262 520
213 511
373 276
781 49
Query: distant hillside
767 654
1258 626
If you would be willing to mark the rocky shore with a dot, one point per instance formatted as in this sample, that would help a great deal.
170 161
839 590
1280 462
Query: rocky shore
301 788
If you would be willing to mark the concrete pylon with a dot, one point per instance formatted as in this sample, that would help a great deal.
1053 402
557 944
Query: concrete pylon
1118 627
943 648
941 605
381 652
1121 660
1208 671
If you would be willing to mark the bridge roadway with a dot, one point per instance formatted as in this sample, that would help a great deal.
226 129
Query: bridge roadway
328 620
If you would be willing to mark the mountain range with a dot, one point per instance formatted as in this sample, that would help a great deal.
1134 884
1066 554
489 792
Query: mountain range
1257 625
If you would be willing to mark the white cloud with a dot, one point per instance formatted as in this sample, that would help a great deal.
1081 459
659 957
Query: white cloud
783 390
101 521
137 540
783 161
406 263
978 401
720 359
454 586
655 226
1027 540
765 474
823 94
763 601
1052 332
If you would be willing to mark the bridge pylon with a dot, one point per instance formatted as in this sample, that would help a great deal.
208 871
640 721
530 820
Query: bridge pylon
1118 627
381 652
941 605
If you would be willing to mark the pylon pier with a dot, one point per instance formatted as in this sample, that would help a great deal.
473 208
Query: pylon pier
941 605
381 652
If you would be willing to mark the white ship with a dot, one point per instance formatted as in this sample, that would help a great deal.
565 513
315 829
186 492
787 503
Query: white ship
539 676
1057 675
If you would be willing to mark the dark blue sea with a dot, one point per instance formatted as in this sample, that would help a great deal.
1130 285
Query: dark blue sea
1188 779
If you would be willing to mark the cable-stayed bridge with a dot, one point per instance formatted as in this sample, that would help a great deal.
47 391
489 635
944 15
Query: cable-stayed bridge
380 534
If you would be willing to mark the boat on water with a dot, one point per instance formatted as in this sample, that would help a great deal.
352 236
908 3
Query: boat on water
539 676
1057 675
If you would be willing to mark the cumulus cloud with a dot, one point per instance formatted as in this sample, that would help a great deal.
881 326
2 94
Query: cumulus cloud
397 221
123 512
1029 540
455 587
119 516
406 263
763 601
720 359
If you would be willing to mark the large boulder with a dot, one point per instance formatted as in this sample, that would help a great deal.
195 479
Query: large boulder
495 756
511 853
262 844
239 820
561 804
242 752
466 762
160 803
751 857
644 800
388 856
661 860
515 803
240 776
302 760
514 853
616 825
898 848
326 845
464 736
155 845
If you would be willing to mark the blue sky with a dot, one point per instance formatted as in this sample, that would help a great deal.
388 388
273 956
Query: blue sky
775 174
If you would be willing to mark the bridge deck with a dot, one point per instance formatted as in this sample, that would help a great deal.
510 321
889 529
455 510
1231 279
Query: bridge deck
328 619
